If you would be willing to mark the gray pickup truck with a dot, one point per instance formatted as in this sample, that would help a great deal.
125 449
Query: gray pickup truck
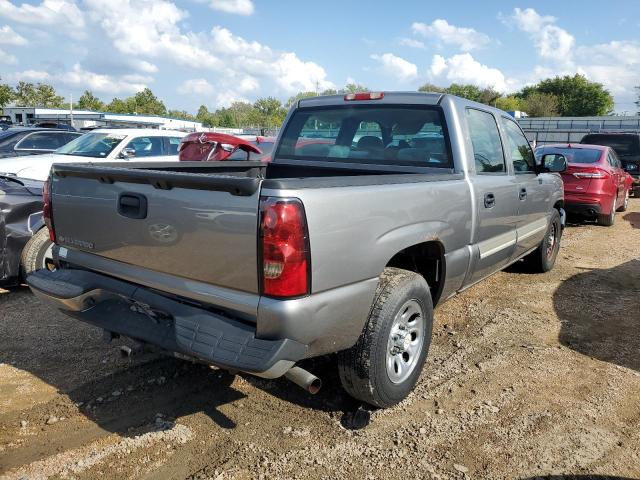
374 208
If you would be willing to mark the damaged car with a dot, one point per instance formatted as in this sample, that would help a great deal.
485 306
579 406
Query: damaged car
24 242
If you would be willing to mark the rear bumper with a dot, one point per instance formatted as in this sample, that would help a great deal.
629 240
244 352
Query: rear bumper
142 314
585 209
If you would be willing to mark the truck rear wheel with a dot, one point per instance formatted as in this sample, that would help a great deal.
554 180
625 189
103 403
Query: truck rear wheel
543 258
37 253
382 368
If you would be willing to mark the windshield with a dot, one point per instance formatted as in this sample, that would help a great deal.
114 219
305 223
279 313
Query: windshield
573 155
624 145
379 135
97 145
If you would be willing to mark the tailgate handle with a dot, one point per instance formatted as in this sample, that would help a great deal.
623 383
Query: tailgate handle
132 205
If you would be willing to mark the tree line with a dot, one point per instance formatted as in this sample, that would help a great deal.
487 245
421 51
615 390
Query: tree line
558 96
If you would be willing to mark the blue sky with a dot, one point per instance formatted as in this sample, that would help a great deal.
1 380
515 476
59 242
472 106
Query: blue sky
212 52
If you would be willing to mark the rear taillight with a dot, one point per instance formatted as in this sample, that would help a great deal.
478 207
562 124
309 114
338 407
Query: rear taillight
46 209
285 265
364 96
590 173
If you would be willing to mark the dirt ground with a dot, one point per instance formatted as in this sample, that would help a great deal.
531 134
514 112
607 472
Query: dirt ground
528 376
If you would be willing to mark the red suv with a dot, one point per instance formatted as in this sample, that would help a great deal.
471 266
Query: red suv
595 184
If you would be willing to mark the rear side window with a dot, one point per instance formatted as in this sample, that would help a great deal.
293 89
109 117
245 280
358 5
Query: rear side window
380 135
518 145
624 145
42 141
485 139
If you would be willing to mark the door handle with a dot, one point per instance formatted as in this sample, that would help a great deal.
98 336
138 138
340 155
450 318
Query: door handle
523 194
489 200
132 205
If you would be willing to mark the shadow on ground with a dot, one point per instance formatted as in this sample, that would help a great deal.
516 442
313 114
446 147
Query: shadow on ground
72 357
633 218
599 311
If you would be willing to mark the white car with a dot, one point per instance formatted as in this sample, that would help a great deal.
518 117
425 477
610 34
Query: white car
102 145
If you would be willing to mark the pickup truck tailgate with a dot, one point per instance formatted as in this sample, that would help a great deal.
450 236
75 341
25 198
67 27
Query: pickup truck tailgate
200 226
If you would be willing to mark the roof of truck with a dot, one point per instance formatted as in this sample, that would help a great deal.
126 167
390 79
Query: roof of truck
410 98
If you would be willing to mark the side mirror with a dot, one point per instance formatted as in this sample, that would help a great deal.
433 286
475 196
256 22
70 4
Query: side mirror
553 163
128 152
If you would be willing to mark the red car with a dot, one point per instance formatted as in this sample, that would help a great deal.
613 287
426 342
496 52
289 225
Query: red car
214 147
595 184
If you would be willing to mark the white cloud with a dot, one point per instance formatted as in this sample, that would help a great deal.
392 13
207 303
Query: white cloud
397 67
83 79
464 38
552 42
7 58
196 86
239 7
463 68
8 36
410 42
158 36
63 14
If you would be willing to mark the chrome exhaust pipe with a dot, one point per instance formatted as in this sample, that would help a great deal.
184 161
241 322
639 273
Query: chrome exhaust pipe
304 379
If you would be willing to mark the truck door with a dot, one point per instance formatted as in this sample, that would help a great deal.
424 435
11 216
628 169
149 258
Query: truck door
495 193
534 191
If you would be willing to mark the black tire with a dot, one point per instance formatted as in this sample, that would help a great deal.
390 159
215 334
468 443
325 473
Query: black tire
607 220
363 367
625 204
543 258
34 253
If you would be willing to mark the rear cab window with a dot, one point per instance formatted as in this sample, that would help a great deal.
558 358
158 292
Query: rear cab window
412 136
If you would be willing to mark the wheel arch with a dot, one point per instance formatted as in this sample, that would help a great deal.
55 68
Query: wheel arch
427 259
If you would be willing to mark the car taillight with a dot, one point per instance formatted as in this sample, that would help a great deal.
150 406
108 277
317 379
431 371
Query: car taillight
364 96
285 265
590 173
46 209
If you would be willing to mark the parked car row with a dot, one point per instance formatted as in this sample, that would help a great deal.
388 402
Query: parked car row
338 237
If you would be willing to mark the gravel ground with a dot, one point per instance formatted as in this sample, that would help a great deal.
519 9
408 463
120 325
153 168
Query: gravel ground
528 376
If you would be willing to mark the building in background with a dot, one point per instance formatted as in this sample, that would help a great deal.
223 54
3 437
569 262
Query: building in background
86 119
546 130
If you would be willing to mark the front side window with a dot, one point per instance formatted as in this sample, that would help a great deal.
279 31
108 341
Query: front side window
146 146
485 139
379 135
518 145
96 145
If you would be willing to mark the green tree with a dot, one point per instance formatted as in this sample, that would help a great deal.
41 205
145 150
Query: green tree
577 96
181 114
270 111
25 94
470 92
300 96
147 103
119 105
538 104
509 103
88 101
430 87
46 96
6 94
354 88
